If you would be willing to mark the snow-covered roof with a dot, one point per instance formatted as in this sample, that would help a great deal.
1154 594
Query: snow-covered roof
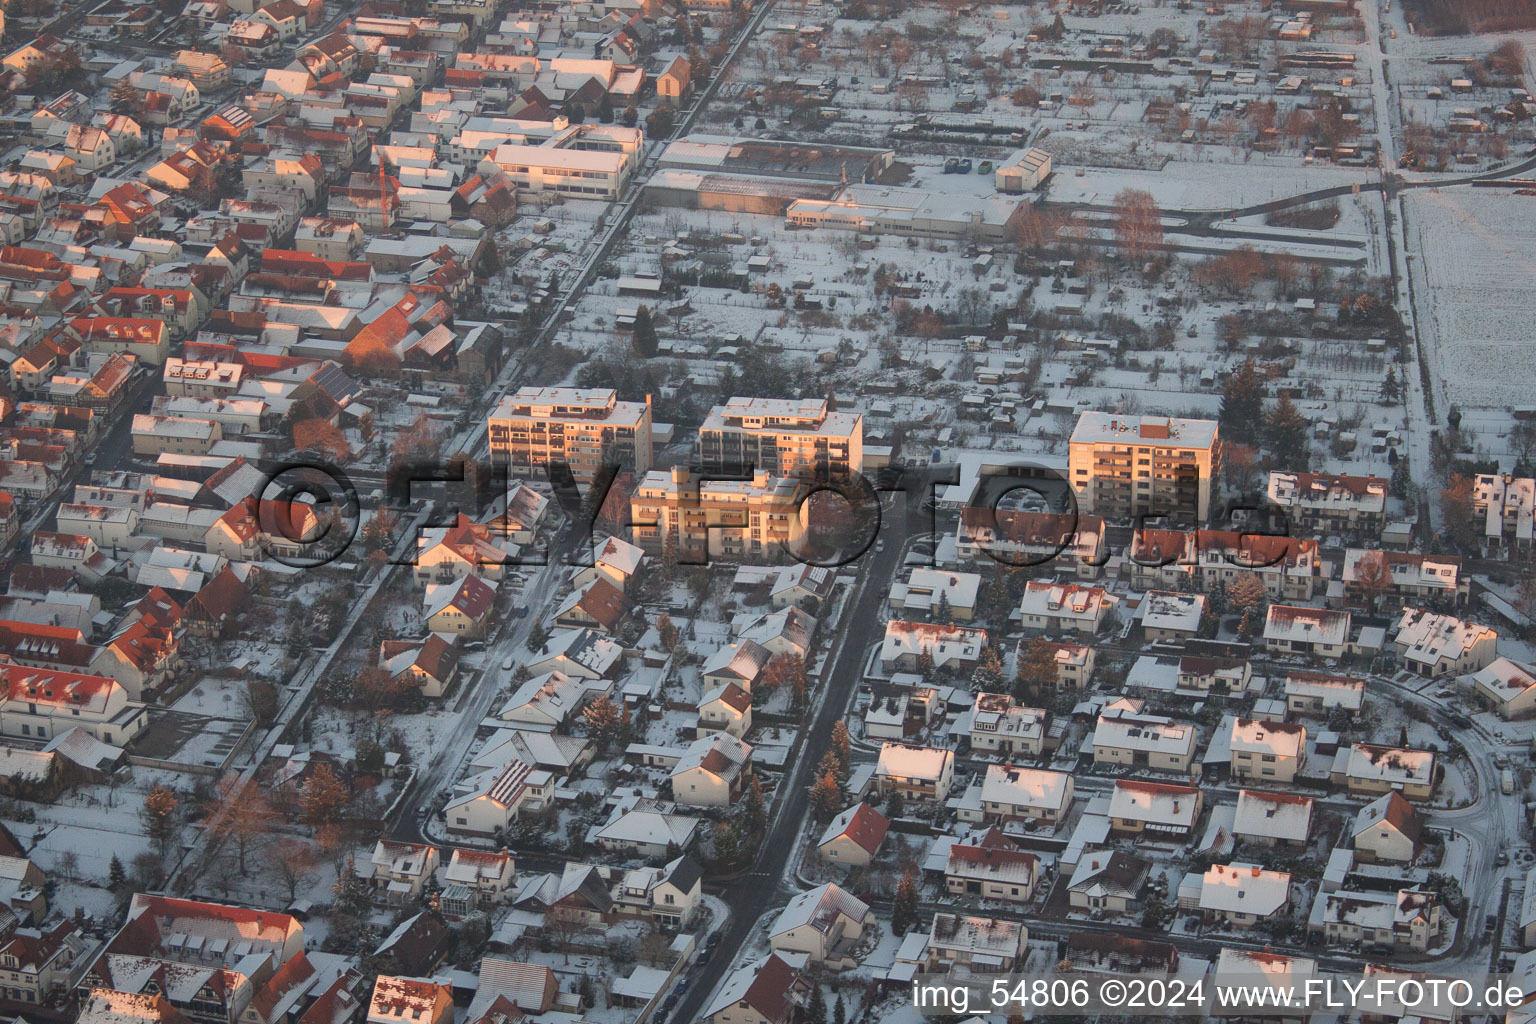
998 714
1161 431
1244 889
1392 765
820 908
900 760
1159 805
1345 692
1504 679
1167 609
1298 624
1427 637
1025 787
1123 729
1257 736
1281 816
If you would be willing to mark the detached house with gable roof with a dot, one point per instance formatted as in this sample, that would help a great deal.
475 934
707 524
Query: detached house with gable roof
1064 607
1388 830
1124 735
768 991
1243 895
430 664
466 548
39 704
823 924
1267 751
399 871
907 642
1270 819
1161 810
1506 687
712 772
1108 882
486 878
1365 768
993 868
1404 921
1294 629
918 773
1008 794
459 609
854 836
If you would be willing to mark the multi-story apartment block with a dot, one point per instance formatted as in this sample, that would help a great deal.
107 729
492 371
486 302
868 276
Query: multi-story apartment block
1327 502
723 518
1126 466
782 438
582 428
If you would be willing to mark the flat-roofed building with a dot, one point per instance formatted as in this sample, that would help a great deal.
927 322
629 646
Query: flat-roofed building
782 437
757 518
1124 466
582 428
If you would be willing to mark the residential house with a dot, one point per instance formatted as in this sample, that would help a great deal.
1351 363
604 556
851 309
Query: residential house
1323 503
1030 795
1243 895
727 709
430 664
459 609
1271 819
854 836
1294 629
668 895
1064 607
1124 735
908 644
991 867
1317 694
1506 687
410 1001
974 943
36 964
1169 615
1388 830
923 774
1434 645
1108 882
823 924
712 772
1405 921
1267 751
1368 769
1066 542
488 803
945 595
398 872
1154 810
766 991
466 548
999 725
485 876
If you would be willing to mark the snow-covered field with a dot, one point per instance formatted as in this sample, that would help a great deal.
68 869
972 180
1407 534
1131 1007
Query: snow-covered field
1474 268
